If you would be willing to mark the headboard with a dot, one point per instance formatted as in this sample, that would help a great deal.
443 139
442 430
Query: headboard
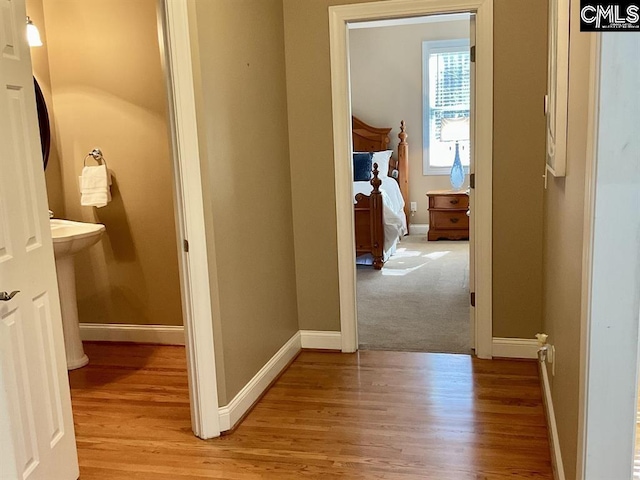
373 139
367 138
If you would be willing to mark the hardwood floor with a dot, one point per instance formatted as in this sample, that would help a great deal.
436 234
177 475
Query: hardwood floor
372 415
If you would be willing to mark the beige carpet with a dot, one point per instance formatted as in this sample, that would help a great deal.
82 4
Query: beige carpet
419 301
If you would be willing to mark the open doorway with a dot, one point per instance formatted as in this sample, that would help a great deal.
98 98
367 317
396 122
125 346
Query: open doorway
342 19
129 289
417 70
38 406
107 108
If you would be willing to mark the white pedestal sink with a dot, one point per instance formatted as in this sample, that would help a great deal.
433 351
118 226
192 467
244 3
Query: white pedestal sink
70 238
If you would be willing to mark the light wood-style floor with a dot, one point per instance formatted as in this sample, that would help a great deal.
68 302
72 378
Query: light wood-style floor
372 415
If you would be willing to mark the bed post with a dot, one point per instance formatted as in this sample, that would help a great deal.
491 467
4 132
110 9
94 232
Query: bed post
377 226
403 170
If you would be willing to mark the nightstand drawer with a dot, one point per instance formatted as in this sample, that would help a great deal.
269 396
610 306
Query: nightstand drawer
453 220
448 215
449 202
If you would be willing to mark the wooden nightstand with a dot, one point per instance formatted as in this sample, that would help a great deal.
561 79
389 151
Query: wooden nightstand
448 215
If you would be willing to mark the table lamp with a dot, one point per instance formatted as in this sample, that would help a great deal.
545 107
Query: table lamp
455 130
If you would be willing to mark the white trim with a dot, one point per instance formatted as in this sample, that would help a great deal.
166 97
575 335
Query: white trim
174 335
418 228
199 296
608 395
398 22
554 439
442 171
321 340
159 334
339 17
561 85
430 47
515 347
587 248
232 413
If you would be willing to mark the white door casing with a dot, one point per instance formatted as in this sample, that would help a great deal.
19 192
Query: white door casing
339 19
610 343
35 402
200 303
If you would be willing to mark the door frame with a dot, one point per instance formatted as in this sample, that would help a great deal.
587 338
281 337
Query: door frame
200 305
339 18
607 405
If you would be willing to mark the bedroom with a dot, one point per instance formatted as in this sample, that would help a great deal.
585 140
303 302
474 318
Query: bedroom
419 300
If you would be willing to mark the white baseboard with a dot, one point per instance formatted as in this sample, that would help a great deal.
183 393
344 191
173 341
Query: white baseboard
321 340
174 335
111 332
418 228
554 440
230 414
515 348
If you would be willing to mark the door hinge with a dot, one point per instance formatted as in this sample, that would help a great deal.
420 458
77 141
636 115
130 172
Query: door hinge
472 53
472 180
546 104
185 245
473 299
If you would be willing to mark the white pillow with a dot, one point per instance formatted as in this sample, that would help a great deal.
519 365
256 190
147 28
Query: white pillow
382 159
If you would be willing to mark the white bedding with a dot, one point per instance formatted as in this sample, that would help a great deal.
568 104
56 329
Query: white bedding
395 222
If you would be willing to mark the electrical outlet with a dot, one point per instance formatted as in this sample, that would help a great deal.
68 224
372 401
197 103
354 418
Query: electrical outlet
414 206
551 350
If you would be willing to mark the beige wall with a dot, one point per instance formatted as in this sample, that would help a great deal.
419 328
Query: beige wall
306 36
108 91
520 83
564 220
520 79
241 60
40 62
386 87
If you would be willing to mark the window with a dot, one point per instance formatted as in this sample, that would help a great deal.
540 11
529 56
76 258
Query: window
446 94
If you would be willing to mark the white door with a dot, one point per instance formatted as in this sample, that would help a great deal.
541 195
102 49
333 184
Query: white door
37 440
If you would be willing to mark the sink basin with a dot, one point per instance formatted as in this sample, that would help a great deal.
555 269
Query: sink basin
71 237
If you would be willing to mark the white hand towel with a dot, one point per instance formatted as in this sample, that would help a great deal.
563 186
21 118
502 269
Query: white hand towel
94 186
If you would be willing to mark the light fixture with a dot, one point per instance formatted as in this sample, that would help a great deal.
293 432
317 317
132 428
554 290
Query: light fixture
455 129
33 35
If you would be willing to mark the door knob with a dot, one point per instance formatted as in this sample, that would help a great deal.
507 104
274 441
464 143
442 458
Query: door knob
5 297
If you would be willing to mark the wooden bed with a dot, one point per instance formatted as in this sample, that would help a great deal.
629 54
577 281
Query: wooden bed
369 227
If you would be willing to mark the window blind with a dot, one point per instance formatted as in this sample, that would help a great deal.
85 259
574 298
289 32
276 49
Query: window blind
450 79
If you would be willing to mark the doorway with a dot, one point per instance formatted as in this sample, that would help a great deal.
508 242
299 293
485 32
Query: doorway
183 199
341 18
417 70
107 108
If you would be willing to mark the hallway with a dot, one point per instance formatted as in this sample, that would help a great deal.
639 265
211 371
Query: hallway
372 415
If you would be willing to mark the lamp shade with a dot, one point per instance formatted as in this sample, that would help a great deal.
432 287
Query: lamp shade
454 129
33 35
